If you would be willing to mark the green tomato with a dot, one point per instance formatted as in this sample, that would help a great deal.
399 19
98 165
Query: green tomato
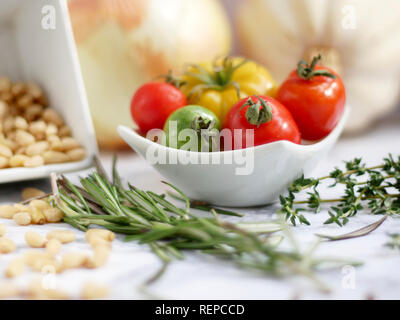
192 128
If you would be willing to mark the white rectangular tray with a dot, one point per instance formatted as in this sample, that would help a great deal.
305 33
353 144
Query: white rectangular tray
32 50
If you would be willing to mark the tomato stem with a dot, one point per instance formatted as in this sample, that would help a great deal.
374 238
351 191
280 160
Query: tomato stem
218 79
307 72
258 112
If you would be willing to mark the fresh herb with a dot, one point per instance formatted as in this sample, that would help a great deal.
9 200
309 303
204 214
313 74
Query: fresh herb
376 188
152 219
395 241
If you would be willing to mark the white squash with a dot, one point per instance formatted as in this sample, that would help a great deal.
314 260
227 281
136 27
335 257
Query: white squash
358 38
125 43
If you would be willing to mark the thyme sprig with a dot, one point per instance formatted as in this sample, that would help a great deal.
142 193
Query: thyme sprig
150 218
376 188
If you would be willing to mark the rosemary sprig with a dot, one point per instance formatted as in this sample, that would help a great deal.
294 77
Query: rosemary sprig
379 191
152 219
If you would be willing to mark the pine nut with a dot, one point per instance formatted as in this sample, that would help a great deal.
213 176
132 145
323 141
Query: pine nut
38 128
50 115
37 291
32 113
101 233
22 218
55 143
37 216
71 260
54 157
69 143
7 211
39 204
92 290
33 162
15 267
76 154
3 162
6 245
32 255
35 240
51 129
8 290
3 109
17 160
99 258
40 265
53 247
5 151
21 123
37 148
25 101
24 138
53 215
20 207
8 124
64 236
96 241
29 193
64 131
3 229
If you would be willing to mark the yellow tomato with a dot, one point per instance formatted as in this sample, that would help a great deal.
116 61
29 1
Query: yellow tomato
218 85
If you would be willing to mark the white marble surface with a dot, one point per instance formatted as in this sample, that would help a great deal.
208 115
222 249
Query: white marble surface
203 277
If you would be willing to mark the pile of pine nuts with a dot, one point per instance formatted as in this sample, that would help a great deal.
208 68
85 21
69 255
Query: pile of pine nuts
37 211
45 252
50 259
31 133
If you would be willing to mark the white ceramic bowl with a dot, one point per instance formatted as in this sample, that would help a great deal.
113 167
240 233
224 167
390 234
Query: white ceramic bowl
275 166
32 50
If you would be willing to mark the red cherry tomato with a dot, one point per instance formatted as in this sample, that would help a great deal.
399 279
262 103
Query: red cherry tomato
315 97
269 119
153 102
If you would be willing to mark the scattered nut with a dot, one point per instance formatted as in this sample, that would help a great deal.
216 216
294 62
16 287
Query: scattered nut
39 204
6 245
3 230
99 258
15 267
53 215
7 211
22 218
37 217
101 233
71 260
53 247
36 290
8 290
92 290
64 236
35 240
